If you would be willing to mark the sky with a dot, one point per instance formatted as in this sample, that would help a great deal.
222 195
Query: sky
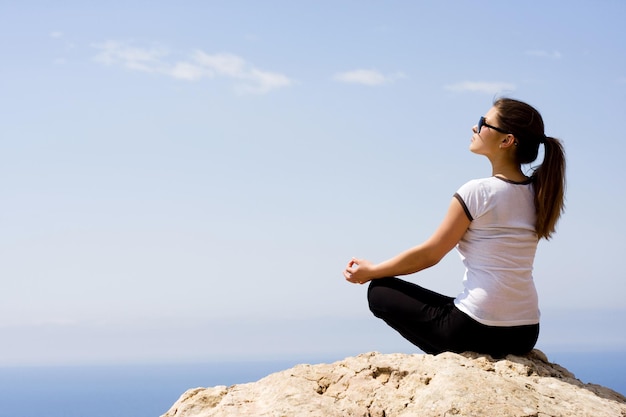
185 181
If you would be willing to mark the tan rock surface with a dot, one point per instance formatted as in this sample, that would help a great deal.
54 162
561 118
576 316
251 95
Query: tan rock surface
390 385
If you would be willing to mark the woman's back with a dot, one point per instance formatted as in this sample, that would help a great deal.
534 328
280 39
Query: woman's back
498 251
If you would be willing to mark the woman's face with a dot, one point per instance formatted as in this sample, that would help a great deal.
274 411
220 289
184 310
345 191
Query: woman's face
487 141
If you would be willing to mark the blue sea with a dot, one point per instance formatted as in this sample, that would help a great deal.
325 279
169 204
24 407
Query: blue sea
150 390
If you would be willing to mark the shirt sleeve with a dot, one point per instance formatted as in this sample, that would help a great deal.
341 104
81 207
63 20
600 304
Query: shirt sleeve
473 196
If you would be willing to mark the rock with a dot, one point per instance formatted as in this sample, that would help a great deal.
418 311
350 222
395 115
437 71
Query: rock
390 385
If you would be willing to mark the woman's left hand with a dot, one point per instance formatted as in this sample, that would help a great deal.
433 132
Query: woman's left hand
358 271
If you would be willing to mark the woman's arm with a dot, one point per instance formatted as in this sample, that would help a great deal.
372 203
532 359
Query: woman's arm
429 253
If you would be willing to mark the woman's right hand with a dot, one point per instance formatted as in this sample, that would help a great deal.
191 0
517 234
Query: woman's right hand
358 271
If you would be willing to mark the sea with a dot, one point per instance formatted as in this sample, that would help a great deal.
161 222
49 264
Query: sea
144 390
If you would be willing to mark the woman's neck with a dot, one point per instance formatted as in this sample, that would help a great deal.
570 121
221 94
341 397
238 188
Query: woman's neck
508 171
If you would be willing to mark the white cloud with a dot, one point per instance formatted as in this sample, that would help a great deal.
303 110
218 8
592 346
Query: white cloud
544 54
256 81
56 34
263 82
367 77
223 64
137 59
188 71
481 87
200 65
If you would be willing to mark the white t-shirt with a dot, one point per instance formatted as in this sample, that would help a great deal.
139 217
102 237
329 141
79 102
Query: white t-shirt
498 251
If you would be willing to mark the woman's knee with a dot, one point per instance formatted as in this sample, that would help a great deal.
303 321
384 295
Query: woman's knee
378 295
375 298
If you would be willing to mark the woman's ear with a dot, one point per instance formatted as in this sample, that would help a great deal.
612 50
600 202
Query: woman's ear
508 141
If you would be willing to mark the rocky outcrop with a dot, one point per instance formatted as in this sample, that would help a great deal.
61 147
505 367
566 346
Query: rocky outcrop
390 385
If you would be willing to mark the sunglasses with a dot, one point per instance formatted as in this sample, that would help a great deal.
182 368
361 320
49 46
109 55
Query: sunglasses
481 123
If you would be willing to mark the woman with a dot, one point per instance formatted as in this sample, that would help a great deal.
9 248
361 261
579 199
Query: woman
495 224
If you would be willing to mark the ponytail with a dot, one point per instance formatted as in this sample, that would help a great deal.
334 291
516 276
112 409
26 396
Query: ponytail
549 182
526 124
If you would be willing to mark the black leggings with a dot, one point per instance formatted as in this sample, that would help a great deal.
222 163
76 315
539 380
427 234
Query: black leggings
432 322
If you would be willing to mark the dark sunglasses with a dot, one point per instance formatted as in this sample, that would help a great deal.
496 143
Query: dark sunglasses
481 123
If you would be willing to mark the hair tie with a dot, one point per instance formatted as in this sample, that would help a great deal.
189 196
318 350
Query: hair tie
543 138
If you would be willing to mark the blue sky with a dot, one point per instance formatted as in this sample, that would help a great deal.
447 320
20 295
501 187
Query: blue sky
185 181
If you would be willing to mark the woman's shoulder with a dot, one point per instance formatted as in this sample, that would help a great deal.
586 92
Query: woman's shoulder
493 182
478 183
483 188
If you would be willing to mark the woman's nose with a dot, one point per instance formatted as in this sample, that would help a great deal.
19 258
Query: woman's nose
475 128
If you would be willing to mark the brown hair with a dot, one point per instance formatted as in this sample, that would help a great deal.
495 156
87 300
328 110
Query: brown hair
526 124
